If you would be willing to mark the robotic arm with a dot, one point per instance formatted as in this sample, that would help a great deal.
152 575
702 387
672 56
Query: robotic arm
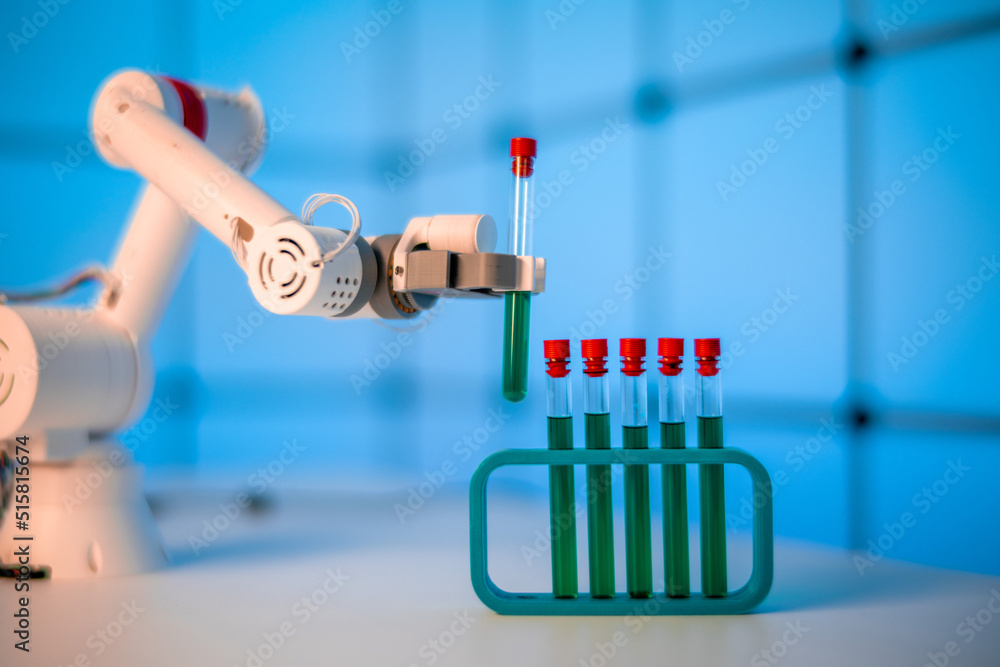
89 371
71 377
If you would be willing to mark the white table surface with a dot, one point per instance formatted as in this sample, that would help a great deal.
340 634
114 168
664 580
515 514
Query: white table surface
408 589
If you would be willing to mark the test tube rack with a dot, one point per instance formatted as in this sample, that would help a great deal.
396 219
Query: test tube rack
546 604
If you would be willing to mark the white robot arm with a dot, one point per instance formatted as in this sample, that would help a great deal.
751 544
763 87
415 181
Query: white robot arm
71 378
88 371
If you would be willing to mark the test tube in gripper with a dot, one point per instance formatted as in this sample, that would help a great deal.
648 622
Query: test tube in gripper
517 305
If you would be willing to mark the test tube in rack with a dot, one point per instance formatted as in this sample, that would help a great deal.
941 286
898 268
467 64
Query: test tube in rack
635 435
562 501
711 477
673 436
597 432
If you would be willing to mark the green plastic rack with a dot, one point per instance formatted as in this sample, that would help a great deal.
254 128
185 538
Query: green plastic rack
546 604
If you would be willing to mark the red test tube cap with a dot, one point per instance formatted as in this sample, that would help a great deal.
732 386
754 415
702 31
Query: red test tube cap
556 349
595 355
671 351
557 358
707 351
633 351
670 347
523 147
707 347
633 347
522 153
593 348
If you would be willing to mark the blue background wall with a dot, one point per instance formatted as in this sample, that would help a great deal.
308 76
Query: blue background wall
564 72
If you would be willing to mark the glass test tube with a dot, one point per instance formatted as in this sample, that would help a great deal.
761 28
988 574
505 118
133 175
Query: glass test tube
597 431
517 305
672 436
711 480
562 501
635 435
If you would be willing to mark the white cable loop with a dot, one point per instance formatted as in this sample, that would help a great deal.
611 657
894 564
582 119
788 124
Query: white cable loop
320 199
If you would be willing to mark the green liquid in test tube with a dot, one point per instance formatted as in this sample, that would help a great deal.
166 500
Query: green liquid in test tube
711 479
672 436
635 435
597 433
517 305
562 490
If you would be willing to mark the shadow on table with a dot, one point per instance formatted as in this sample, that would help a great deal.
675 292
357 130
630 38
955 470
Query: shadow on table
290 526
832 580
